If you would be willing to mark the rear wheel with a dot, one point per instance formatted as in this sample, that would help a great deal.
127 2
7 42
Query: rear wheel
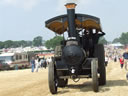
94 65
52 78
99 53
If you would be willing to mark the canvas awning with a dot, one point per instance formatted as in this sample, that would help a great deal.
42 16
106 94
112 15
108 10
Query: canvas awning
59 24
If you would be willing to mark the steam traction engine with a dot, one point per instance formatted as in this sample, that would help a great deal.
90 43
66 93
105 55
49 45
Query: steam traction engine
80 56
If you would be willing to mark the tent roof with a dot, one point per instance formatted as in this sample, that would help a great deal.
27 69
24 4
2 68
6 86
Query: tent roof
6 54
116 44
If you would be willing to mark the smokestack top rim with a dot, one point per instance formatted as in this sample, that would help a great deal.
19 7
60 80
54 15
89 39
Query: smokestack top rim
70 5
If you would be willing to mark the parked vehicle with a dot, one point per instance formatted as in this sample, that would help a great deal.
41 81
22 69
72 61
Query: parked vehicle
80 56
4 66
13 60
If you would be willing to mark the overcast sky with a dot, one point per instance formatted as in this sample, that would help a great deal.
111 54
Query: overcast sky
25 19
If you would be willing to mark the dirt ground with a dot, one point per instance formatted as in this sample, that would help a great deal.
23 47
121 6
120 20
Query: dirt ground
25 83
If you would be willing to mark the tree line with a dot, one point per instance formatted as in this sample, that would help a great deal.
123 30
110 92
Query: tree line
53 42
37 41
123 39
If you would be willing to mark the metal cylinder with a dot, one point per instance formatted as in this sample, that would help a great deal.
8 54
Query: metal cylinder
71 19
73 55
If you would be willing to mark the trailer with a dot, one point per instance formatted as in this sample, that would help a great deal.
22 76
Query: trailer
14 60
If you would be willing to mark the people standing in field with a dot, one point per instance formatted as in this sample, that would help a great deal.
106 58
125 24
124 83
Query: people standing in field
125 55
121 59
48 60
37 64
115 58
106 60
43 63
32 62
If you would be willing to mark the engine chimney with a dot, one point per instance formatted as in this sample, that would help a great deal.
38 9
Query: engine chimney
71 20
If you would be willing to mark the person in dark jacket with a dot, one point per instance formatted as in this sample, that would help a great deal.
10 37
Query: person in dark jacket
32 62
125 55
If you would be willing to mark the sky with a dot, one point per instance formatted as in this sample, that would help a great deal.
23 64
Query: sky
25 19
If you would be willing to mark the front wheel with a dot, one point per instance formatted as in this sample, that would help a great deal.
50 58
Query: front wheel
99 53
52 78
94 68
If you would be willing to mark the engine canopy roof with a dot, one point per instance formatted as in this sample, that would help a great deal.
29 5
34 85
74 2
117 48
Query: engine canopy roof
59 24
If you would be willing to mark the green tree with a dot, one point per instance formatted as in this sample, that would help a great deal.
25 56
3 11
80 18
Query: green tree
22 43
14 44
29 43
43 42
8 44
52 43
116 40
124 38
48 44
37 41
1 45
102 40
